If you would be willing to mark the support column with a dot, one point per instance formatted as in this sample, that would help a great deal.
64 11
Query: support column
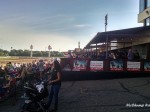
106 46
96 50
148 49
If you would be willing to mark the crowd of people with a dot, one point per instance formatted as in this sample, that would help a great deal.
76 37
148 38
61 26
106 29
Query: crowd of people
12 74
117 54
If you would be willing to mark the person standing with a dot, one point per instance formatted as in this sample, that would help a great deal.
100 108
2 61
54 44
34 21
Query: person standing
130 55
41 68
136 55
55 81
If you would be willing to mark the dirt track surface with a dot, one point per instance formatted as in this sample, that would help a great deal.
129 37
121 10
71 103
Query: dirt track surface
20 60
117 95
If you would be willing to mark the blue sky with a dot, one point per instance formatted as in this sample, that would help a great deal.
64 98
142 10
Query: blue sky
61 23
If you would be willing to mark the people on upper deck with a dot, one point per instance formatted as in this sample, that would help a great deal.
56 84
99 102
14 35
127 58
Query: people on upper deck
136 54
130 55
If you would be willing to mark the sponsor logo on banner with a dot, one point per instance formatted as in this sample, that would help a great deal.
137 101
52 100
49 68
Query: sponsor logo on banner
116 65
133 66
96 65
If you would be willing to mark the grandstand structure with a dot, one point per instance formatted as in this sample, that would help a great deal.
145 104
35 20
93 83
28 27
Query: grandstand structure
137 38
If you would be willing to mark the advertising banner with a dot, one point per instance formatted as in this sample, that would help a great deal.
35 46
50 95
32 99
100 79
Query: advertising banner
96 65
133 66
116 65
146 66
79 65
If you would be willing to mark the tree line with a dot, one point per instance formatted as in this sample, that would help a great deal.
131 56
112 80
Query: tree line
20 52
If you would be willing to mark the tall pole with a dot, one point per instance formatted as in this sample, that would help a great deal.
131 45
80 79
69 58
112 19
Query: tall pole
49 48
79 45
106 18
31 47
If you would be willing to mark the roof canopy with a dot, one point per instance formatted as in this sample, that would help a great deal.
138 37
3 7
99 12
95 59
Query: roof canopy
118 36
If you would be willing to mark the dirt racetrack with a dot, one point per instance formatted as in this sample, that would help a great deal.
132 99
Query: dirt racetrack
21 60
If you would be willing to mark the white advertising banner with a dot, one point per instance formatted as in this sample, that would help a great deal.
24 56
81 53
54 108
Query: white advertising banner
133 66
96 65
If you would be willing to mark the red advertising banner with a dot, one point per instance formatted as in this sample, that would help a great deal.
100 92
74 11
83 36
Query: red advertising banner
116 65
133 66
96 65
79 65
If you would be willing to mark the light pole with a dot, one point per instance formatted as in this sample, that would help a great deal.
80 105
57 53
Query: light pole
49 48
31 47
106 23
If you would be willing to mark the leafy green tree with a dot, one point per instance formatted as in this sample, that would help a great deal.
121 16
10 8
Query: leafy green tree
4 52
21 52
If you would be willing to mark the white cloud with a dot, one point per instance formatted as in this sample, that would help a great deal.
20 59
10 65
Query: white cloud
82 25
